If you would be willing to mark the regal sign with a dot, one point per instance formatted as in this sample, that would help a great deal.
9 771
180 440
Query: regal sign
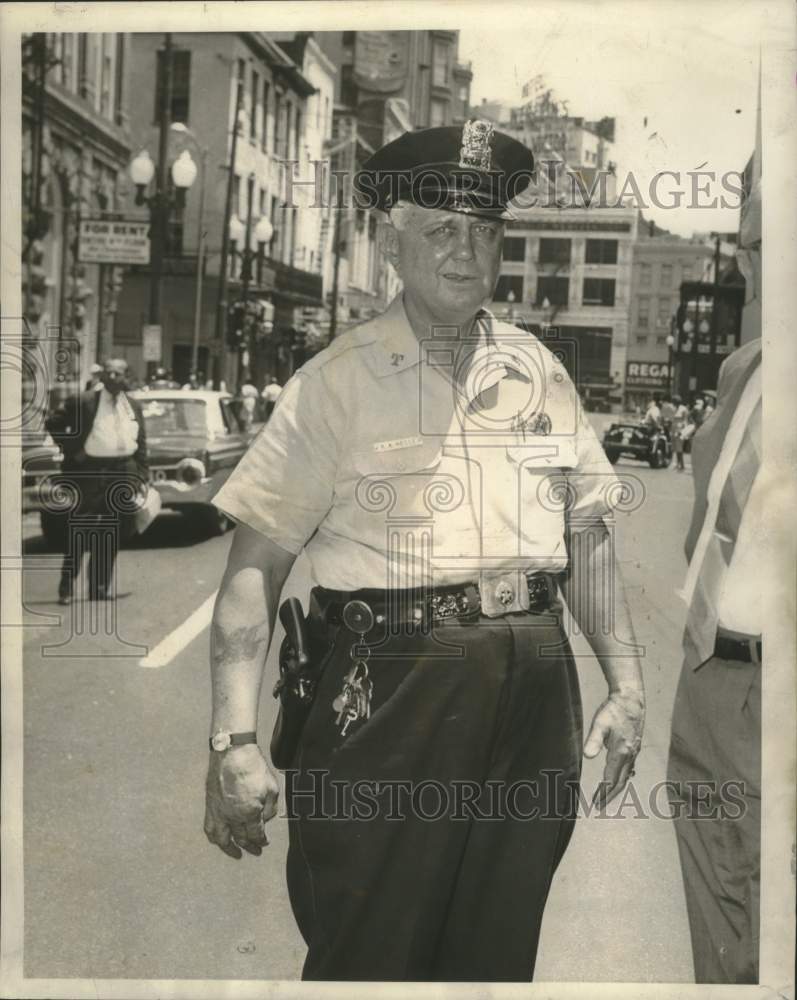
647 375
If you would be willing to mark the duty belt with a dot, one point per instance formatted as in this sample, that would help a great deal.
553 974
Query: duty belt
732 646
419 606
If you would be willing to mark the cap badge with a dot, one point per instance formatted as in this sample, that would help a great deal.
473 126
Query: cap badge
475 150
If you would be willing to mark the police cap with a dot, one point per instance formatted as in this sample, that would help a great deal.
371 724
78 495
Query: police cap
470 168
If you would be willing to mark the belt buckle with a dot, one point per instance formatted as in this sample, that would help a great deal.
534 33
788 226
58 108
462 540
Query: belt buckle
503 592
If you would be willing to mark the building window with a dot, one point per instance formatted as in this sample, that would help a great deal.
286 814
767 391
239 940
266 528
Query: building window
181 84
264 132
666 276
515 248
601 252
553 288
106 77
348 38
437 113
440 55
82 65
297 131
509 283
645 275
236 195
554 251
642 338
643 313
254 115
663 314
598 292
463 93
661 340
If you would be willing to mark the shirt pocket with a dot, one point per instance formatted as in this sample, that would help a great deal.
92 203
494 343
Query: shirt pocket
542 456
416 458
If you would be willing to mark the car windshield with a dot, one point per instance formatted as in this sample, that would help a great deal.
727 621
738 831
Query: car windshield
174 416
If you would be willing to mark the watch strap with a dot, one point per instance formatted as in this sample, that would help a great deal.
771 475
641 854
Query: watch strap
236 739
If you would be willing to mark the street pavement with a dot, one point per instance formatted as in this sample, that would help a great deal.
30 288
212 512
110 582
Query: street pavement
120 881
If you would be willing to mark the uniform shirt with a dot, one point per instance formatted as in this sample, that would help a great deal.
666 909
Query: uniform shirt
388 476
114 433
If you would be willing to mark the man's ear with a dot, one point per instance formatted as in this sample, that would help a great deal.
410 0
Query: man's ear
389 243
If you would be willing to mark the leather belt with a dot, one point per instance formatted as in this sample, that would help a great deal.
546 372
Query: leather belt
418 606
731 646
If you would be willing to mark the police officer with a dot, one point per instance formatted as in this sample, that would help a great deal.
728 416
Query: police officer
436 467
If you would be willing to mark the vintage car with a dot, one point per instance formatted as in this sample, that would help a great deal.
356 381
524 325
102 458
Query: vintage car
638 440
194 441
195 438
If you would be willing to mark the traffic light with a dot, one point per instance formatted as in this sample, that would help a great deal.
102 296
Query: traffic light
36 278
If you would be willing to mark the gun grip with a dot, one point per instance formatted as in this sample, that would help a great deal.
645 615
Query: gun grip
292 618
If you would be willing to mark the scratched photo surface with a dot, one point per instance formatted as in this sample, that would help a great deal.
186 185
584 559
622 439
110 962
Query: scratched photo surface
486 401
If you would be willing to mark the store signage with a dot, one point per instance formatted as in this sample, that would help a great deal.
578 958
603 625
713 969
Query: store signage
647 374
151 342
113 241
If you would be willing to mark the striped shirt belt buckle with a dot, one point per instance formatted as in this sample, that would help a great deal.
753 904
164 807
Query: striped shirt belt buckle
404 607
733 646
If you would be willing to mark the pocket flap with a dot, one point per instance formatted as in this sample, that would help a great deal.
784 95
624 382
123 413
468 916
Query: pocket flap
549 454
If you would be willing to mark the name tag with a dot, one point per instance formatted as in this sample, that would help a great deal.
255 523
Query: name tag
408 442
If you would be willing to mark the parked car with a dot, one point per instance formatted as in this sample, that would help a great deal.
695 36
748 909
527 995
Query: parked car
40 459
638 440
194 441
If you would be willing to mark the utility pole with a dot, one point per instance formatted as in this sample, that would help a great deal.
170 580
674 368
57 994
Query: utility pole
246 277
221 305
333 316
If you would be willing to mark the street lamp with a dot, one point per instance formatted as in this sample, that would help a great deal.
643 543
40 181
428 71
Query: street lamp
260 235
670 346
160 203
510 298
184 168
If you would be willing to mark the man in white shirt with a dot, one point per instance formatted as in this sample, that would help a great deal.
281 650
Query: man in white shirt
101 434
715 751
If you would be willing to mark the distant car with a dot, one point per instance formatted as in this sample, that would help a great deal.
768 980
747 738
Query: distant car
638 440
194 441
40 459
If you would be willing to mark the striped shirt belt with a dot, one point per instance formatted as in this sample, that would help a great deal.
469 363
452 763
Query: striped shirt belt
424 605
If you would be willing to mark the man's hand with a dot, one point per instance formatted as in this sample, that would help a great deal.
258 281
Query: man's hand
618 726
240 798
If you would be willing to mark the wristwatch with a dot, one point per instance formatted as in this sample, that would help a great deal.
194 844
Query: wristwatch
223 740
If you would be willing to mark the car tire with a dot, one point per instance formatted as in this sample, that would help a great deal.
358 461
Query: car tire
213 521
53 528
612 455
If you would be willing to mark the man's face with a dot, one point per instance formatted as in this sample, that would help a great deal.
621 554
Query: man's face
114 376
448 261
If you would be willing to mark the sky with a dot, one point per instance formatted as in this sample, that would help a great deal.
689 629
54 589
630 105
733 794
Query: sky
680 78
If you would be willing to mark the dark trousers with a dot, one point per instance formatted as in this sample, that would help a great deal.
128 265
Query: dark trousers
412 884
99 521
716 738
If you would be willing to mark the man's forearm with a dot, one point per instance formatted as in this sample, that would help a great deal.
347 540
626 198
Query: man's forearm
594 591
241 630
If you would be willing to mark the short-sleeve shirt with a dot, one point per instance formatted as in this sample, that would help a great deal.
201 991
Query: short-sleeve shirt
395 462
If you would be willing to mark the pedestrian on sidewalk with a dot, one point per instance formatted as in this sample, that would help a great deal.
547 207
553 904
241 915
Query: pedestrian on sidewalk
102 437
447 665
680 421
716 721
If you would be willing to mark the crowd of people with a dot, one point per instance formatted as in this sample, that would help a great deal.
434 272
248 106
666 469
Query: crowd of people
679 421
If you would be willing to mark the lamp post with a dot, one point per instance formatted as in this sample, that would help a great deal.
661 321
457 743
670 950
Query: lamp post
670 345
261 234
200 252
160 204
510 298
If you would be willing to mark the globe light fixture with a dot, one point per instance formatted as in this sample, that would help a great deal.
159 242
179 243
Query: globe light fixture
688 325
142 169
263 230
184 171
237 230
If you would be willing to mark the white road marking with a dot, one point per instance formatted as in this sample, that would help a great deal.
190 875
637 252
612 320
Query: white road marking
176 641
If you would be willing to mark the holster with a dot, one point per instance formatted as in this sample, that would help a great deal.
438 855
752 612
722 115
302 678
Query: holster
303 655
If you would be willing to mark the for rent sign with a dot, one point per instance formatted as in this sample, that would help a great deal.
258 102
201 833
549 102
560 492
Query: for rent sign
647 375
106 241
